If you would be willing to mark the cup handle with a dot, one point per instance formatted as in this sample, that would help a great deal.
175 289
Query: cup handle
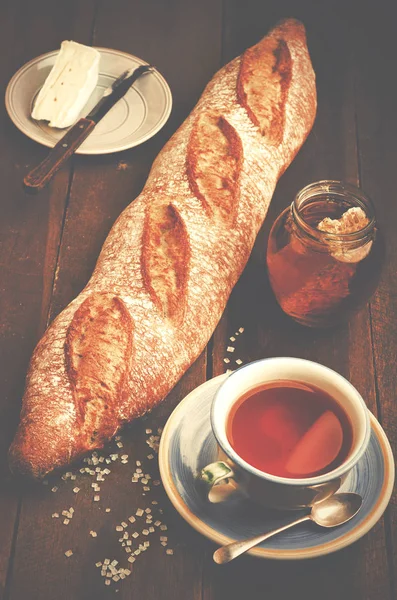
220 481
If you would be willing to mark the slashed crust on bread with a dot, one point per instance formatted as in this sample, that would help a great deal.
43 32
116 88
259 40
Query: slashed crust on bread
214 158
262 87
98 352
165 259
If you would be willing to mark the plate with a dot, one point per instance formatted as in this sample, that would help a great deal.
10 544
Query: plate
187 445
140 114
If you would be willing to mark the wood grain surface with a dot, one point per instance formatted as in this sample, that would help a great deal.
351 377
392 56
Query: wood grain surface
49 245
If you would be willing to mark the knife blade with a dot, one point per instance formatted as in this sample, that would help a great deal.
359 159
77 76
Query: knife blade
41 175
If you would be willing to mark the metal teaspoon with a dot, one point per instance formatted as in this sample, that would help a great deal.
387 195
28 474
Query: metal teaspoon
332 512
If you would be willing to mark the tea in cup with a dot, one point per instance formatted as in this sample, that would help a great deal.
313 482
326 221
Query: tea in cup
288 430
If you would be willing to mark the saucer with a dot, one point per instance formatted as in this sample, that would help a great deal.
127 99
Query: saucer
135 118
187 445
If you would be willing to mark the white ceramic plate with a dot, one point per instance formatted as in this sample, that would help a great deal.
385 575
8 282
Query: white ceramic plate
188 444
134 119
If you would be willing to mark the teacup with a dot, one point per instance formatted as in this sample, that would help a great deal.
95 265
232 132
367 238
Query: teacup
232 475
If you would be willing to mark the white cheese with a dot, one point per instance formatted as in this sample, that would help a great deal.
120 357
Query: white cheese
68 86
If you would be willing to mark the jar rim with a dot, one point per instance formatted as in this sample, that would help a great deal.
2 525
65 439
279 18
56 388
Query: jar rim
334 188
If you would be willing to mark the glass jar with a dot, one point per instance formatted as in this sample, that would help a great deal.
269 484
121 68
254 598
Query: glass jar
325 253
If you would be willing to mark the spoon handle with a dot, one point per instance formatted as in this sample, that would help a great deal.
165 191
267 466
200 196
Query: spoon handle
234 549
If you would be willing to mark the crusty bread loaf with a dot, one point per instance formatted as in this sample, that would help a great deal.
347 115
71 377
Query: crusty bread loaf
171 259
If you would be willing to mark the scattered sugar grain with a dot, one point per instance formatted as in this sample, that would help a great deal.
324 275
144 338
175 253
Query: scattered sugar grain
135 534
132 519
119 528
226 360
124 524
55 515
76 490
139 512
169 551
66 521
97 498
150 456
107 581
54 489
157 523
232 338
93 534
68 553
163 527
107 510
131 559
98 564
230 349
241 330
239 361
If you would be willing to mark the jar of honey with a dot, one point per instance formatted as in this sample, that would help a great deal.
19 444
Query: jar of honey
325 253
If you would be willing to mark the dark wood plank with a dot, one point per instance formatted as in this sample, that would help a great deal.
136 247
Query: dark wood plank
377 128
29 227
330 152
101 188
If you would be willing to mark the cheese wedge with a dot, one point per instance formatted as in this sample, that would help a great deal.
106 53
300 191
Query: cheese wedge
69 85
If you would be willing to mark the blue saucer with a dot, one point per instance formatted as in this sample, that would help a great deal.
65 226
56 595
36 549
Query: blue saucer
187 445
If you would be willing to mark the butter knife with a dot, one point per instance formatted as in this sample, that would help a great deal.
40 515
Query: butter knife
39 177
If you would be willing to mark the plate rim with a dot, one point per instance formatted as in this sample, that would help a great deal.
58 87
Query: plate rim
44 142
323 549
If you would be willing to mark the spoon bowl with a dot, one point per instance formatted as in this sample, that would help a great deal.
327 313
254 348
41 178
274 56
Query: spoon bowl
333 511
336 510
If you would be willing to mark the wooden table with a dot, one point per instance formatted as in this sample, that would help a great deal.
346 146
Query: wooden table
49 245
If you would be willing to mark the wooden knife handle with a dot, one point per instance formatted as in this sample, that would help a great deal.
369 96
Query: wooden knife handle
38 178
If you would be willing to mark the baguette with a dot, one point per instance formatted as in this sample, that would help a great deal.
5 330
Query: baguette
170 262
